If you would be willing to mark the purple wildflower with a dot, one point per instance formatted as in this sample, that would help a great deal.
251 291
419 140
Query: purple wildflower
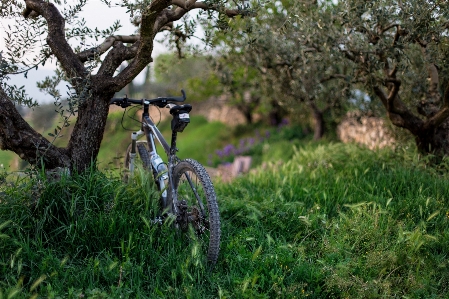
228 150
242 143
219 153
283 123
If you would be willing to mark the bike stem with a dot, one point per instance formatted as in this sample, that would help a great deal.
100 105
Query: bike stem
146 108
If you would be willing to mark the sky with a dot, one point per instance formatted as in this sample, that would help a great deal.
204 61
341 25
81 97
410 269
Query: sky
96 14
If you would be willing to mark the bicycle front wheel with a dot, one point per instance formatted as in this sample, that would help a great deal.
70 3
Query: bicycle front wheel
197 207
141 159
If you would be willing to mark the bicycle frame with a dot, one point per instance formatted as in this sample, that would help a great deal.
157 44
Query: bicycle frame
151 132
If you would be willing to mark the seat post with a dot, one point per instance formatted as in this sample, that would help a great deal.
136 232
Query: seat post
173 148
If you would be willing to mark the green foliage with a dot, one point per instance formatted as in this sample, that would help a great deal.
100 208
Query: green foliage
422 42
193 73
283 61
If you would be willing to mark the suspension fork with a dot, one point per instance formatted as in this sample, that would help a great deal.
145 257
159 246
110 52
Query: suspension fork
132 155
158 177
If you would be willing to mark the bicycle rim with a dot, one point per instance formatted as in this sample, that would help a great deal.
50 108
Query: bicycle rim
198 214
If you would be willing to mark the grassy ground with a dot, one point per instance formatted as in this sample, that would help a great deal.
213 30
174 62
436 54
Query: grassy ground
6 160
334 221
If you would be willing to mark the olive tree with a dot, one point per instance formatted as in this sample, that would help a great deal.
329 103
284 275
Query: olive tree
400 53
316 53
300 73
44 30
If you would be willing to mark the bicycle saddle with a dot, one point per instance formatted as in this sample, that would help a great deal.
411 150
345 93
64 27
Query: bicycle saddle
180 108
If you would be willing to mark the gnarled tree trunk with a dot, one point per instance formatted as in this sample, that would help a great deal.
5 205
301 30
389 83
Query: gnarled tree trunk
434 140
318 121
87 134
431 131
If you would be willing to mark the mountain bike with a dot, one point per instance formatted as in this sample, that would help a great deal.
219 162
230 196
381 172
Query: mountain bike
187 196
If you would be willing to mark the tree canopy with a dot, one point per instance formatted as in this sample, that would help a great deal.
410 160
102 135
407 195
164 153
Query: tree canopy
318 54
400 49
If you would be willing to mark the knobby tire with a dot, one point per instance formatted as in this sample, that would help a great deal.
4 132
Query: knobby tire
205 226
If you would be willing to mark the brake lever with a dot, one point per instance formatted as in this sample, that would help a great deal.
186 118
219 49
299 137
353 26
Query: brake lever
124 104
183 94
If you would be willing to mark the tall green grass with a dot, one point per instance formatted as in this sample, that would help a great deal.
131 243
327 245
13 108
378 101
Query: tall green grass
334 221
355 223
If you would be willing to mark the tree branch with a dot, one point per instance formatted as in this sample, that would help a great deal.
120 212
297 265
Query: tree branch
157 17
56 36
431 105
115 57
17 135
393 94
399 115
229 12
392 73
148 30
186 4
193 4
334 76
154 19
433 74
382 96
106 45
442 114
399 32
388 27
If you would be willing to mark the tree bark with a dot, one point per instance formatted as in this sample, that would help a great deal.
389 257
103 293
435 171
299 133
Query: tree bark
248 116
87 134
432 133
276 114
18 136
318 122
434 141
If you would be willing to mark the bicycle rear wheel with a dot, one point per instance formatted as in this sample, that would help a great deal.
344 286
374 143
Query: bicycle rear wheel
197 207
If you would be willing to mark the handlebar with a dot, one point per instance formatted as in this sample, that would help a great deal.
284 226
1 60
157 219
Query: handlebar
160 101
